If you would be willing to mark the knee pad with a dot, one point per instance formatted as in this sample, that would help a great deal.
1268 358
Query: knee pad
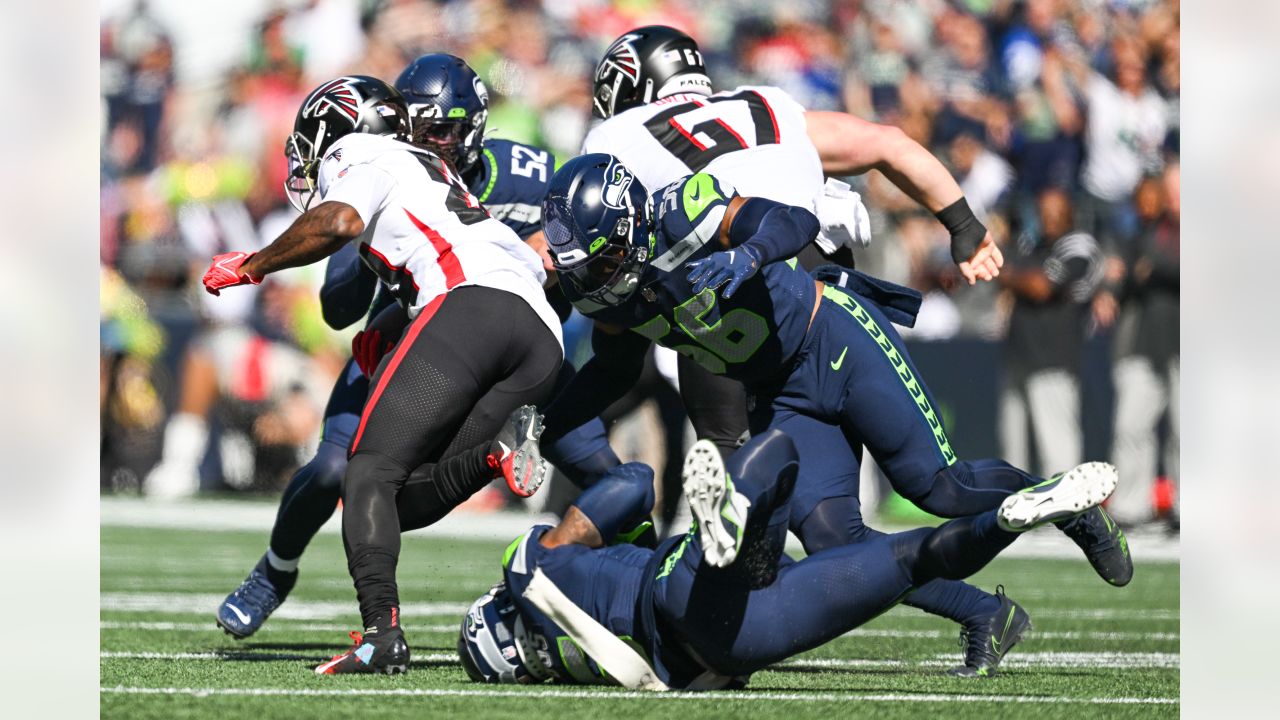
329 466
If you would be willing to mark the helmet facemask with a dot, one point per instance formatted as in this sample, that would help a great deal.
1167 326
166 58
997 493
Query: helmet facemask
611 269
495 646
457 140
300 183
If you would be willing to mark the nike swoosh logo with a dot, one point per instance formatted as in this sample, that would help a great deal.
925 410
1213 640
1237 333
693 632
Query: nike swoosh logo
995 644
239 613
835 364
696 194
505 450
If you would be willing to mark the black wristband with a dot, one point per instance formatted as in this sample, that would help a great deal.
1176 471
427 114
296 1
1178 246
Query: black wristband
966 230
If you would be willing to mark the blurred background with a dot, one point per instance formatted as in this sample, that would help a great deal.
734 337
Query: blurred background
1059 118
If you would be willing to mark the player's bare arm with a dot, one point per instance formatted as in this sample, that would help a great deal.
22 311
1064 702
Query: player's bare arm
848 145
575 529
315 235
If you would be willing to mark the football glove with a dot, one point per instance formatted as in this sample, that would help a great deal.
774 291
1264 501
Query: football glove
368 347
843 217
734 267
224 272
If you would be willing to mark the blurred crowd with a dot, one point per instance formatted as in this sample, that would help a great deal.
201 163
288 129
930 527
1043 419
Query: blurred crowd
1059 118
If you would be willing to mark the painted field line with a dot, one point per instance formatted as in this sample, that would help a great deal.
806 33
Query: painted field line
453 628
206 603
302 626
714 696
1030 660
1014 660
248 655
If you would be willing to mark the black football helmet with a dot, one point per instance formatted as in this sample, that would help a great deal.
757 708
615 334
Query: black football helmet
448 107
596 219
646 64
349 104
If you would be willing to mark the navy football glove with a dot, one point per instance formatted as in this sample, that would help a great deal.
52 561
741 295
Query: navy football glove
728 266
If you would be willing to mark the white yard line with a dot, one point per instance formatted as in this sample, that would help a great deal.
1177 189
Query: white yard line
453 628
1146 545
207 603
719 696
1110 660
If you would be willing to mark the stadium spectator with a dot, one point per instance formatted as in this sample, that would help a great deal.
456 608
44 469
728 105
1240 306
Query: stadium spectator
1147 358
1052 276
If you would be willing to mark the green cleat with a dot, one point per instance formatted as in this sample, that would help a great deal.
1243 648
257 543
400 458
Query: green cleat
987 641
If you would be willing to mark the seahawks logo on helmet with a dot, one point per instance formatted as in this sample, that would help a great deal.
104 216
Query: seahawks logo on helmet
614 194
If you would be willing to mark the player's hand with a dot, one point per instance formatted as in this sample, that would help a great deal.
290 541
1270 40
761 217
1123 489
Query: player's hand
224 272
368 347
985 263
728 266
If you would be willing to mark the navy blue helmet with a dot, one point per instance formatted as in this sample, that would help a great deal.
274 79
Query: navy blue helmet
646 64
494 645
448 107
596 220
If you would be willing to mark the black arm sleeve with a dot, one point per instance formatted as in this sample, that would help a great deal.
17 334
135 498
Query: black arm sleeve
774 230
348 288
615 369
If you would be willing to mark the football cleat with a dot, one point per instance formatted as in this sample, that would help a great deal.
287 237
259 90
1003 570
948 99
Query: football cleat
385 652
1061 497
1103 543
719 511
988 640
514 453
249 606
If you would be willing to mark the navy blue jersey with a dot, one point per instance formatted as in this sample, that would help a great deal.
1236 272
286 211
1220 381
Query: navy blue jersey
510 180
606 583
749 337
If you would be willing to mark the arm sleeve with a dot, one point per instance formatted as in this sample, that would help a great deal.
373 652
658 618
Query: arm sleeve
775 231
348 288
615 368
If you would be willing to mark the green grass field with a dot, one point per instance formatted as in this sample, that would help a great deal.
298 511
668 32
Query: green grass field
1096 651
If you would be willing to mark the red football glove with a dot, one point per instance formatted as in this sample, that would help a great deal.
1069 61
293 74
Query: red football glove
225 272
368 347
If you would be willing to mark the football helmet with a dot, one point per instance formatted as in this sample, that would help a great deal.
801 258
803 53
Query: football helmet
448 107
495 646
647 64
349 104
596 219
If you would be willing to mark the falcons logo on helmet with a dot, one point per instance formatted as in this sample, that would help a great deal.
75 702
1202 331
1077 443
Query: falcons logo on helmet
340 95
623 56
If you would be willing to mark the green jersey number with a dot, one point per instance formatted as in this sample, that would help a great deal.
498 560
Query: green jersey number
734 338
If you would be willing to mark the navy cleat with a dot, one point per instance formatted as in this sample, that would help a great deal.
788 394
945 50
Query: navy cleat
514 454
1103 543
988 640
720 511
373 652
1061 497
249 606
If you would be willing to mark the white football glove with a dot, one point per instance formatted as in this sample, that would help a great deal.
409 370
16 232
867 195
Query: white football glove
843 217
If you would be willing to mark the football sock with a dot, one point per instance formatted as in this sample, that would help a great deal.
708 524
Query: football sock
309 501
435 489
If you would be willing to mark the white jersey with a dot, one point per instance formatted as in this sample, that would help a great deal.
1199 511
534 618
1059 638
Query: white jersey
752 137
425 234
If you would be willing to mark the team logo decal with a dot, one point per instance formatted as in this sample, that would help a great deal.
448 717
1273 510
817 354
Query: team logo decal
340 95
614 194
623 56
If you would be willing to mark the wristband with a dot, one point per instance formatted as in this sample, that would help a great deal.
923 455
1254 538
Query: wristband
966 230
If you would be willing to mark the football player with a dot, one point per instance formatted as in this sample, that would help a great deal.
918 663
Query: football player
448 107
707 609
662 119
450 408
822 363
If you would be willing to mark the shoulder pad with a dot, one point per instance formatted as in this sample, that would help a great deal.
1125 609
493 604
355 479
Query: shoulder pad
689 213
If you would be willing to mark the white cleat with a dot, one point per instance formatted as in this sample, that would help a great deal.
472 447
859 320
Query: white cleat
721 512
1059 498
